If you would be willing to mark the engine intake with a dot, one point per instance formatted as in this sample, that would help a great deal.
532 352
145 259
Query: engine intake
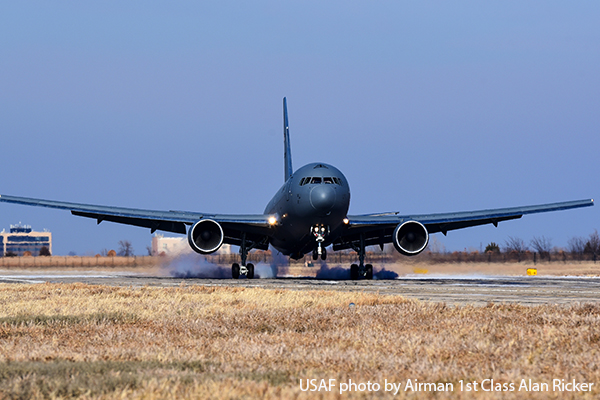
410 238
205 236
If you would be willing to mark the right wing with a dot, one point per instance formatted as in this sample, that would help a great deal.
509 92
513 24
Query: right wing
255 227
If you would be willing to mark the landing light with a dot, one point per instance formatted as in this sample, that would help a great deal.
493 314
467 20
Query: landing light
272 220
346 221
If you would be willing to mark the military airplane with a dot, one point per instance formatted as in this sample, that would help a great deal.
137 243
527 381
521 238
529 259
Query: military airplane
307 214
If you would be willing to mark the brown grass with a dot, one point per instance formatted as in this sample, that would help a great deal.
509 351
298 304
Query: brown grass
84 341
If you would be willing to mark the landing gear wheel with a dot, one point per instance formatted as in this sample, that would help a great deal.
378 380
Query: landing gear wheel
354 272
324 254
235 271
315 255
369 274
250 268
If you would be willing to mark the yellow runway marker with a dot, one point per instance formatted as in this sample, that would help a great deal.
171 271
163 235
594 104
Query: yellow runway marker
531 271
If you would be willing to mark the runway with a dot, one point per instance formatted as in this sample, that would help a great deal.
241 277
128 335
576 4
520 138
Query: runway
451 289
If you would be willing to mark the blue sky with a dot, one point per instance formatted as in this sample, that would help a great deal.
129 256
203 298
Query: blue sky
425 106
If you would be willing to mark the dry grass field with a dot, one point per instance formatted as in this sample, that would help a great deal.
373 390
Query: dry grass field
101 342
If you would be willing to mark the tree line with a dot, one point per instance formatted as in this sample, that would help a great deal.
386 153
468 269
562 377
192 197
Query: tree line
539 248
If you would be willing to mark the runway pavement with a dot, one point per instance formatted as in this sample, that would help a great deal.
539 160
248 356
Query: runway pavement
451 289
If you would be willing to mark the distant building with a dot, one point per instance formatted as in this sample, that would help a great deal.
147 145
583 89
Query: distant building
172 246
21 238
169 245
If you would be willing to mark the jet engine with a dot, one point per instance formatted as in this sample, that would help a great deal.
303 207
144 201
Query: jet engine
410 238
205 236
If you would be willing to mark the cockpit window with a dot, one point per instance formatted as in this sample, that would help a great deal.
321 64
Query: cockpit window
314 180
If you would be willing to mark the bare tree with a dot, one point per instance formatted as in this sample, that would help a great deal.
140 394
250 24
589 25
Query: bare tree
576 245
593 244
44 251
125 248
515 245
542 245
435 246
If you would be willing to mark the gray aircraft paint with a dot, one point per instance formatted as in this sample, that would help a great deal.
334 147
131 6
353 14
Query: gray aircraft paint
299 207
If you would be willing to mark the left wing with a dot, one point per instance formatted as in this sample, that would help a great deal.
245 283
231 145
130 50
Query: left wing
377 229
256 227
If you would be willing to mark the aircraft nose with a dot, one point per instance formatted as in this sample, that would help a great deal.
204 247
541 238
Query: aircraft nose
322 197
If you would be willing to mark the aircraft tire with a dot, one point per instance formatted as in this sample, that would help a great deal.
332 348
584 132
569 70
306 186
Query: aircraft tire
354 272
315 255
324 254
369 268
250 274
235 271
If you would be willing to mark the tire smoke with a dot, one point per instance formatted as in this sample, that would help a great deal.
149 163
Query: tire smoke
193 265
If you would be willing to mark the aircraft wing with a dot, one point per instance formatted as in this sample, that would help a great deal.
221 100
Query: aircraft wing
255 226
377 229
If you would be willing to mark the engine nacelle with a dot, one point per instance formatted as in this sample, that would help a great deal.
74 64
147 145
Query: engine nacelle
410 238
205 236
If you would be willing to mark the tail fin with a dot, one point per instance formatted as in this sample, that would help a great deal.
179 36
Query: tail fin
287 155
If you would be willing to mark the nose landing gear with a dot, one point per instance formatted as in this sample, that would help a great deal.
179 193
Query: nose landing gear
323 255
319 232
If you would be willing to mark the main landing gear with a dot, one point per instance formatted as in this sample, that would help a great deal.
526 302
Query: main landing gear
244 269
361 270
237 270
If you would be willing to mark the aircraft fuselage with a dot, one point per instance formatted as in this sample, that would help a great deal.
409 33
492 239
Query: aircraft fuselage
316 195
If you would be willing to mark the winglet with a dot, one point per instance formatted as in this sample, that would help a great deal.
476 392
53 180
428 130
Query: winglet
287 153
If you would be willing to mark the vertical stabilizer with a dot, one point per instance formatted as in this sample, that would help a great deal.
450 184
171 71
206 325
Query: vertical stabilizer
287 153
